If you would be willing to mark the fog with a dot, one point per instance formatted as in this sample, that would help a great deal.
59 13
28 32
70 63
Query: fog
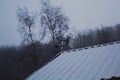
83 14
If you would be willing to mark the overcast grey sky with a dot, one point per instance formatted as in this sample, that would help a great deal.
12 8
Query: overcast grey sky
83 14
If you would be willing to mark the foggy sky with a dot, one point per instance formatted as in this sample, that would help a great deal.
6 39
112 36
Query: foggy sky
83 14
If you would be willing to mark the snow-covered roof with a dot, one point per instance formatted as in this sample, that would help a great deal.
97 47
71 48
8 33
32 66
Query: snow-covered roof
90 63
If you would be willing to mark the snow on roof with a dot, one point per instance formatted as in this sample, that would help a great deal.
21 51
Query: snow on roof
90 63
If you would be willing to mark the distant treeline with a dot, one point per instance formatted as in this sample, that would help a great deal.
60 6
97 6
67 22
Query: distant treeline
17 62
97 36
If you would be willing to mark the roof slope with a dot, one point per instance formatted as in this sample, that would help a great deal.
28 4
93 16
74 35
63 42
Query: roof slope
86 64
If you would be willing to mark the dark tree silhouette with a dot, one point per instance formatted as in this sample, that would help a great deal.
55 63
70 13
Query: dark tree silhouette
26 23
117 32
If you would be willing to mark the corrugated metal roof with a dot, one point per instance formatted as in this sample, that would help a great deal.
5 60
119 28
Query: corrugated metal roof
90 63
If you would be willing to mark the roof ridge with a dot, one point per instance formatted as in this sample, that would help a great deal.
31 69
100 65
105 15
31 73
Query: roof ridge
98 45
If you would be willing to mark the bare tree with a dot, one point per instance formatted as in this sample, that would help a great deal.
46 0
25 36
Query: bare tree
25 28
54 20
26 22
117 32
108 34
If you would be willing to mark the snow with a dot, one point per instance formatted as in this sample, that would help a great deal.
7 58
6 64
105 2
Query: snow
86 64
